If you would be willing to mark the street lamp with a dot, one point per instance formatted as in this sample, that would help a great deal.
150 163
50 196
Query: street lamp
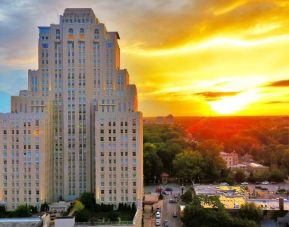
182 188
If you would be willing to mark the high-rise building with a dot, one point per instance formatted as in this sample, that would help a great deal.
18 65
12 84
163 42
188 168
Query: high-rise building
96 129
25 159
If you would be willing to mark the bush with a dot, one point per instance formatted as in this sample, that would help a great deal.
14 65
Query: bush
22 211
187 197
251 212
83 215
78 206
3 212
133 208
44 207
106 207
113 216
88 200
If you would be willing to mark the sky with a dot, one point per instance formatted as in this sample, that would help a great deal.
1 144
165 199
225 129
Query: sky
187 57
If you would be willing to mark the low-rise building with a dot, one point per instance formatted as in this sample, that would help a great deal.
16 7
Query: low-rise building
250 167
231 159
59 207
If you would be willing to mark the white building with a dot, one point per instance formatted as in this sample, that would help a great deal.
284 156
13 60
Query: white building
78 85
25 160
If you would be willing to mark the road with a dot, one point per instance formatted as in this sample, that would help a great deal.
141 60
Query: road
168 210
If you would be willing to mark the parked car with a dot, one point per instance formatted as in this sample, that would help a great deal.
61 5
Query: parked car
166 223
158 222
158 215
265 182
169 189
165 193
224 184
236 206
244 183
175 214
172 201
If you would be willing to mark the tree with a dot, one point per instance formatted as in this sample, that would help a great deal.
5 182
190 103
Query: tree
113 216
133 208
22 211
251 212
214 165
187 197
44 207
88 200
188 165
239 176
78 206
83 215
3 211
153 165
196 215
277 175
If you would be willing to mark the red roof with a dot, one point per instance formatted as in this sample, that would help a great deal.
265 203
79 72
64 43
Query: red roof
165 175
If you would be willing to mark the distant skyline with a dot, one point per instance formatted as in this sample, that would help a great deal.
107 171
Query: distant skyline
187 57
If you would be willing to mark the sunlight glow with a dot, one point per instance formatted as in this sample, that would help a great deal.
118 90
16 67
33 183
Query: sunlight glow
234 104
215 42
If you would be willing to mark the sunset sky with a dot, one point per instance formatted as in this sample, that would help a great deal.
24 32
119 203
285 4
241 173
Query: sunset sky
187 57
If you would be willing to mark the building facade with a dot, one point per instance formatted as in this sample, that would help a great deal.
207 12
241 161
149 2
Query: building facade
231 159
78 85
25 157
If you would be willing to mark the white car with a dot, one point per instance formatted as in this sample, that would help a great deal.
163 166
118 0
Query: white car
158 222
244 183
158 215
265 182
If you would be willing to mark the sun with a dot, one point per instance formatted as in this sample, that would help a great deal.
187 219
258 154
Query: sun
234 104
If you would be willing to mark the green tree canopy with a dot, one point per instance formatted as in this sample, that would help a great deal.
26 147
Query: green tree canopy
22 211
251 212
187 197
153 165
189 165
88 200
78 206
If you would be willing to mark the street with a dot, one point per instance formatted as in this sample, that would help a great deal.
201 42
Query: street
168 211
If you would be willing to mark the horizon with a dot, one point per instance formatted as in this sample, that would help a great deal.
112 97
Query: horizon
213 67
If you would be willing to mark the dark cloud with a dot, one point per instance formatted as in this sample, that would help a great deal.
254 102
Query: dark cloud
278 83
211 95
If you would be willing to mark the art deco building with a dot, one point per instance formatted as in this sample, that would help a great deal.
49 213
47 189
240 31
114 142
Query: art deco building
25 159
95 126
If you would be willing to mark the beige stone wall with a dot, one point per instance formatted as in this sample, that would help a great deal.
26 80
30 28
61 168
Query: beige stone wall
118 157
25 160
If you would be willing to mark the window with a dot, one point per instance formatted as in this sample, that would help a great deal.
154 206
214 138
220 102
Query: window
70 31
81 31
57 31
96 31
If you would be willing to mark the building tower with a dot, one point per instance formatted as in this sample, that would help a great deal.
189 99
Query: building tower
95 127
